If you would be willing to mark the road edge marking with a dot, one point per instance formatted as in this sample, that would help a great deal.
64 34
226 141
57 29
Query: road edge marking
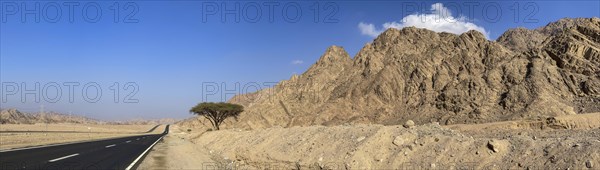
64 157
143 153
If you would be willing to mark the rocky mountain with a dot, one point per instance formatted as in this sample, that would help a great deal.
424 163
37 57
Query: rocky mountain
427 77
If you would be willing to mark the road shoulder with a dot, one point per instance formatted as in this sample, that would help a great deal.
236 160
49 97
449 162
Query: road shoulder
175 152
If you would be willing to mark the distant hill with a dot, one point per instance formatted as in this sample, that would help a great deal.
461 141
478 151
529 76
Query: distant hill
14 116
145 121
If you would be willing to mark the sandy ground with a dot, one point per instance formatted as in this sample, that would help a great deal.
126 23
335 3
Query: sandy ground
175 152
557 143
65 133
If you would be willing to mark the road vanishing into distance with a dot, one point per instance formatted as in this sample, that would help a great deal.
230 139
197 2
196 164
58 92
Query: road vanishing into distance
116 153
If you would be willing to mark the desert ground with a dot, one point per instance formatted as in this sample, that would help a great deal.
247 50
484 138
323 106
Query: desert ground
563 142
26 135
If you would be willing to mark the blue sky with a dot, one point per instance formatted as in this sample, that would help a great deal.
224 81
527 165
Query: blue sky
167 50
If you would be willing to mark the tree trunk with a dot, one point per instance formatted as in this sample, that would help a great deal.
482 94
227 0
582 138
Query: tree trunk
217 124
212 122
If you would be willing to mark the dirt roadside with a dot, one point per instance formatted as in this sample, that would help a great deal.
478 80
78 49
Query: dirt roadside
174 151
557 143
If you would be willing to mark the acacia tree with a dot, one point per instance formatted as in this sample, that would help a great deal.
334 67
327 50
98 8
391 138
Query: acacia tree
216 113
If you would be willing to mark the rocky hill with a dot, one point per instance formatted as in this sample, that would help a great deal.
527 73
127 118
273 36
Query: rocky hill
427 77
14 116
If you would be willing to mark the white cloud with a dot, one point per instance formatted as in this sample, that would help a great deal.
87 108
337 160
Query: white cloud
439 19
296 62
368 29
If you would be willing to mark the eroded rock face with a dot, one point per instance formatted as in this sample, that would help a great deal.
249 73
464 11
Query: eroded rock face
425 76
521 39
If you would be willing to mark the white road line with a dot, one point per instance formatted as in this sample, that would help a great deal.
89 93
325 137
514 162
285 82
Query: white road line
137 139
144 153
64 157
110 146
127 141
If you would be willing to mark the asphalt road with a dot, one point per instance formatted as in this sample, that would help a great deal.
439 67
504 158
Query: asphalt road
118 153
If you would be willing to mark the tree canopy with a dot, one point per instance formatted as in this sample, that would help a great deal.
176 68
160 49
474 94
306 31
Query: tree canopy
216 113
